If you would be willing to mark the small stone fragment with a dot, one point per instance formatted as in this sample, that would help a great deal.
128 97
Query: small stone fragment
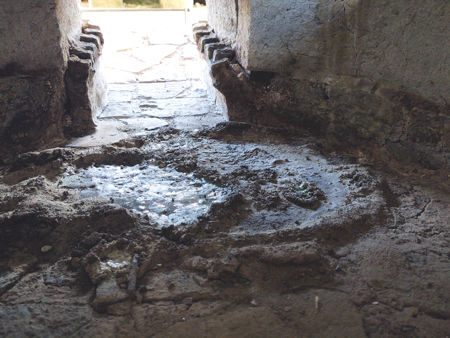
412 311
46 248
342 252
108 292
223 53
304 194
75 262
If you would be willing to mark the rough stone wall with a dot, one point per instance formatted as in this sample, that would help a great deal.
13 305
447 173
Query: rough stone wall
37 38
401 42
85 86
223 17
30 35
353 70
31 109
68 15
231 21
281 31
32 67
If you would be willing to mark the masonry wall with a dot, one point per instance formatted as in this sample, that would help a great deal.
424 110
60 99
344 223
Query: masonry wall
29 35
403 41
231 21
41 101
373 70
69 22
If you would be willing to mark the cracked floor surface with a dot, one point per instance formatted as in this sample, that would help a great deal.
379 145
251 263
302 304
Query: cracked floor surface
305 242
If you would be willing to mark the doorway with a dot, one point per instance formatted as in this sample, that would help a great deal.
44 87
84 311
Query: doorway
154 74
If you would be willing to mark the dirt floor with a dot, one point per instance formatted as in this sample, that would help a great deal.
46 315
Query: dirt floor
303 244
170 222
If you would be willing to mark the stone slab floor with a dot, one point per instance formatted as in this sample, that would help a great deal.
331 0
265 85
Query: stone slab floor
154 75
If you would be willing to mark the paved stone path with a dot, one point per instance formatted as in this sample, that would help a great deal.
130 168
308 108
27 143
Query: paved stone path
154 74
